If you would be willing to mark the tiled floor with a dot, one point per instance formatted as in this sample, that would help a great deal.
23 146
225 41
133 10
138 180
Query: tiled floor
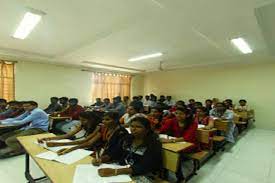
250 160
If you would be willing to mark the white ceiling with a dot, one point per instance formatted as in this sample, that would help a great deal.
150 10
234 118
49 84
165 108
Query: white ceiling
188 32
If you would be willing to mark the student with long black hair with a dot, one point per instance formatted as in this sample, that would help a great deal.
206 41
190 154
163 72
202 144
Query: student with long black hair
89 125
141 151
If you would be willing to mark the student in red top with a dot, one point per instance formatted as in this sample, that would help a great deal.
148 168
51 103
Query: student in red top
203 118
72 111
155 117
182 127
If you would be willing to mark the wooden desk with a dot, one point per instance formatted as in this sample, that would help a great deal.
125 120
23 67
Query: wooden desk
6 126
204 135
171 155
56 172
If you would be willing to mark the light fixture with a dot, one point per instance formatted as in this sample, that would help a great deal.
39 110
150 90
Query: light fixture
30 20
111 67
242 45
145 57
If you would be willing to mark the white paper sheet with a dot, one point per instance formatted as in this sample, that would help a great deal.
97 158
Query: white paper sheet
68 158
55 149
201 126
164 136
128 129
89 174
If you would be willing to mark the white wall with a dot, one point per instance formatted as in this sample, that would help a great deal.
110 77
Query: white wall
39 82
252 82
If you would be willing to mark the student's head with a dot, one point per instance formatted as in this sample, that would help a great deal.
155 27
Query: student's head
135 98
29 105
162 98
242 102
117 99
54 100
156 111
168 98
140 97
12 104
180 103
125 98
133 108
3 103
220 107
227 104
98 100
111 119
63 100
197 104
192 101
106 100
154 98
89 120
208 102
230 101
73 101
140 127
201 111
184 116
147 97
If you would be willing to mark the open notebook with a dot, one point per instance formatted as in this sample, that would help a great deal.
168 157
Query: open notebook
89 174
68 158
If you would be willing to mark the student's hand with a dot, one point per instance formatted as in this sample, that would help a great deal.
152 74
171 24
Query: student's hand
106 172
96 162
43 140
52 144
63 151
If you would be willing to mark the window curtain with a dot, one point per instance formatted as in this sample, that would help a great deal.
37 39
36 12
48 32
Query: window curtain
7 80
106 85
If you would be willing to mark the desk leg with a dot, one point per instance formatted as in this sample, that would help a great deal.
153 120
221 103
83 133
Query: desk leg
27 171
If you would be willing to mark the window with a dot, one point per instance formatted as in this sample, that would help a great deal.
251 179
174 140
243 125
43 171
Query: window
7 80
106 85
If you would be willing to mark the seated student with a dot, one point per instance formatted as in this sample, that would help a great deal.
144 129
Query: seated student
141 151
229 104
214 102
153 101
155 117
98 103
3 105
107 105
242 106
64 103
54 106
161 99
112 134
202 118
208 105
36 121
15 108
179 103
72 111
196 105
220 112
89 123
184 128
133 111
146 104
118 106
126 101
169 101
191 104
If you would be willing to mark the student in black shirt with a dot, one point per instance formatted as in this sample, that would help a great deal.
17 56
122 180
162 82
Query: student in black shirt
141 151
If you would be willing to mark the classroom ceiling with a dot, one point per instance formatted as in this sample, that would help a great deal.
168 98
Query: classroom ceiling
188 32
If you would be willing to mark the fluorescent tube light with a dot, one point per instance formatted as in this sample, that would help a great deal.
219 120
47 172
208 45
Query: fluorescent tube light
27 24
111 67
145 57
242 45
